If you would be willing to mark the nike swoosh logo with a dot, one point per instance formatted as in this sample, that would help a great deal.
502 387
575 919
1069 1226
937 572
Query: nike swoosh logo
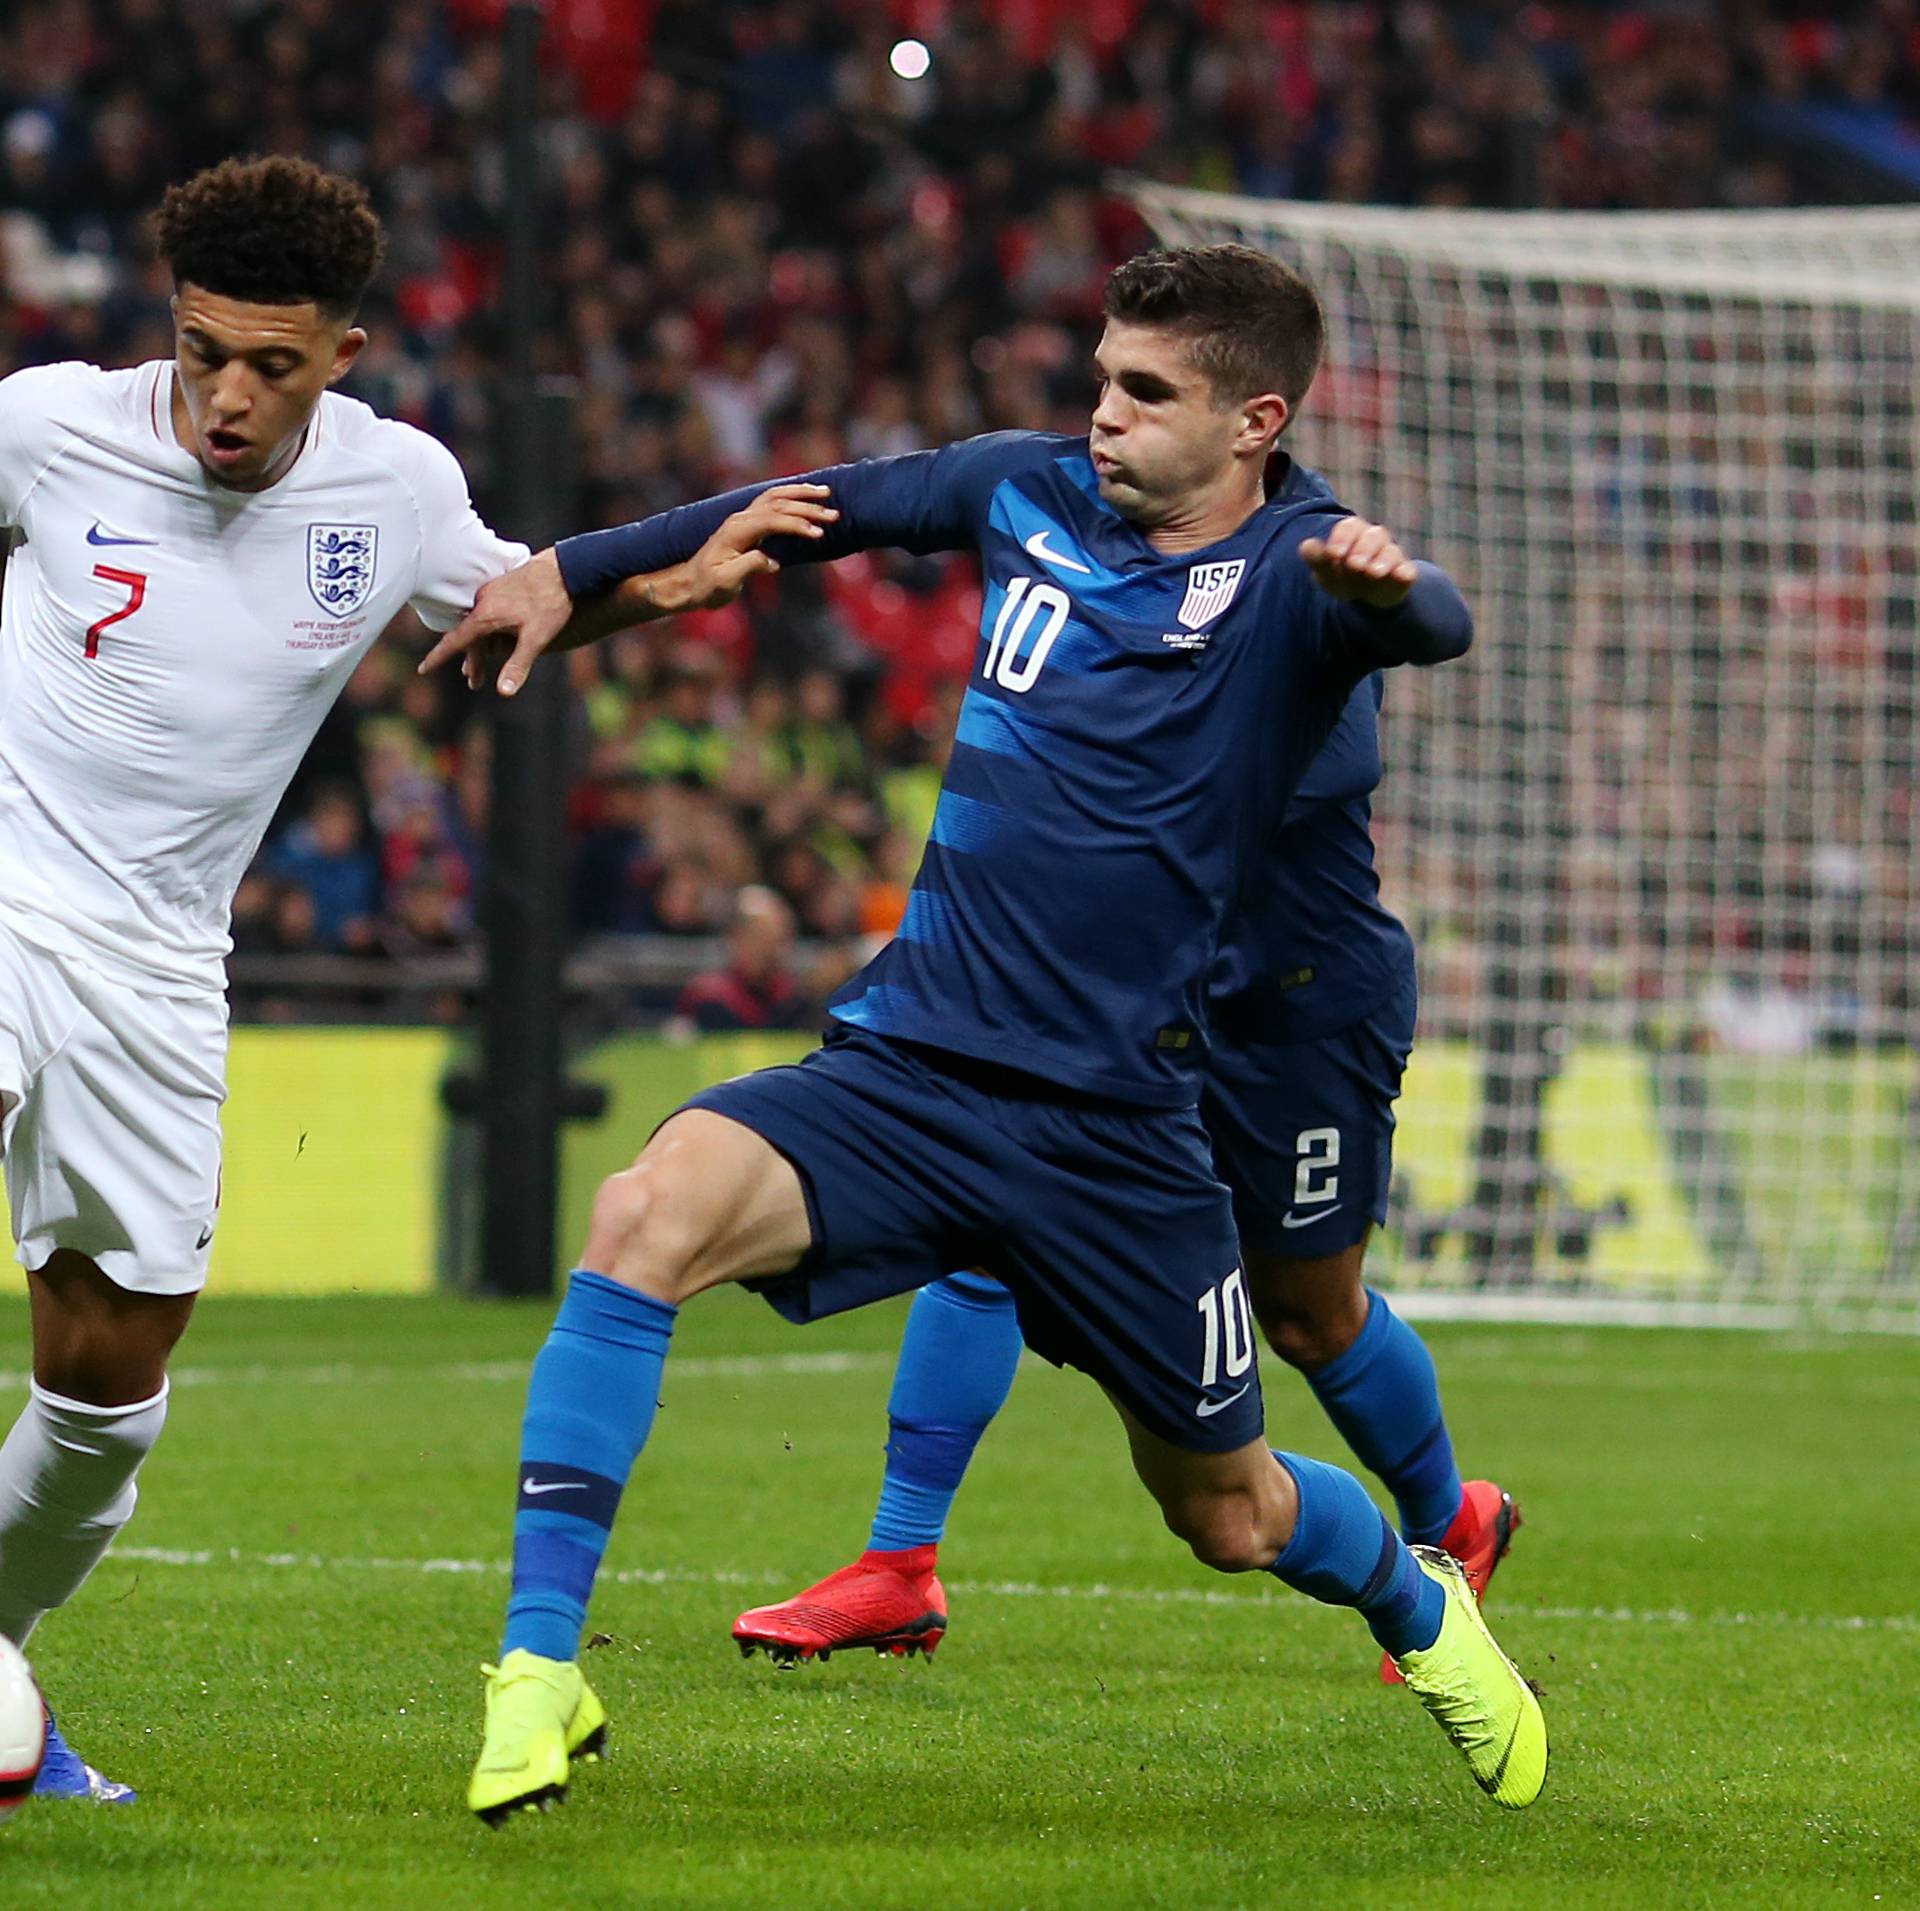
1037 545
1208 1408
95 535
533 1488
1492 1785
203 1240
1292 1220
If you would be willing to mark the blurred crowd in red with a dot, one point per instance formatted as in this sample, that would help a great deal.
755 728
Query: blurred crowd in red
769 249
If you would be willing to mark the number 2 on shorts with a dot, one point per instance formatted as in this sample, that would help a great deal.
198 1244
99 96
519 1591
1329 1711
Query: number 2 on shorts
1315 1179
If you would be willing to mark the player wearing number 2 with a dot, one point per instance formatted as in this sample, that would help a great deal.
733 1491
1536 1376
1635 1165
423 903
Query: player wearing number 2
1012 1082
203 548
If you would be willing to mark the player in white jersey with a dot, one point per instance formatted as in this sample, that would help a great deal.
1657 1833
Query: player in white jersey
202 551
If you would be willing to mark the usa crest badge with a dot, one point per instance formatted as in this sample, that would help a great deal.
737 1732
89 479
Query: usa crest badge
340 562
1210 589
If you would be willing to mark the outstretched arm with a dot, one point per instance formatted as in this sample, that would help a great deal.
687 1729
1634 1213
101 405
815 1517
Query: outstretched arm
1392 609
920 501
527 611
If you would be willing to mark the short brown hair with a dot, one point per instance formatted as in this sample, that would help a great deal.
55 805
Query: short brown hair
1253 324
272 231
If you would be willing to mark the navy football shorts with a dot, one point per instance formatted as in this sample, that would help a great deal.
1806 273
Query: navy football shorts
1303 1132
1105 1220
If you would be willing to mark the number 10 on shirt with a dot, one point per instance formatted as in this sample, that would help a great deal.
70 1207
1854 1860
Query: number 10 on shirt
1026 603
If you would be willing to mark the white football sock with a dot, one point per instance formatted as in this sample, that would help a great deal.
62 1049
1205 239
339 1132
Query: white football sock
66 1488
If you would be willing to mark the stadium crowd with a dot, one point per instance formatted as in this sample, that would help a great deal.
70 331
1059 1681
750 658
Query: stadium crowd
767 251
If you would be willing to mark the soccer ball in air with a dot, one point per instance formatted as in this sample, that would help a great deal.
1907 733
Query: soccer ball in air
23 1729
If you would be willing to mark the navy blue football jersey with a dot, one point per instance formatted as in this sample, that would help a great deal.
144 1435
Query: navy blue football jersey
1135 727
1315 949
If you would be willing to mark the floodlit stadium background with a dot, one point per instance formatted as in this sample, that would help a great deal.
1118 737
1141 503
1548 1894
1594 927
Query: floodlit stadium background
1657 843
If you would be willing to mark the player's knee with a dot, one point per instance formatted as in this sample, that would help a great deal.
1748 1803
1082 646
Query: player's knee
97 1344
1311 1311
1223 1531
1307 1340
100 1369
1315 1325
644 1233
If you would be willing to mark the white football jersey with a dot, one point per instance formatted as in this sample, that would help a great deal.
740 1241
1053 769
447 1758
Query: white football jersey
168 647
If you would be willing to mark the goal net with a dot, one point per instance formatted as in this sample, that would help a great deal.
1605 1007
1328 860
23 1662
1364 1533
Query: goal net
1656 837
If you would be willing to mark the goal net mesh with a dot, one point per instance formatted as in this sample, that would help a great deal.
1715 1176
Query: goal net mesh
1656 836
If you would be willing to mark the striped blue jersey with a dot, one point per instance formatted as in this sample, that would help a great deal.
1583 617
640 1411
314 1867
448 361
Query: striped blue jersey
1315 949
1134 729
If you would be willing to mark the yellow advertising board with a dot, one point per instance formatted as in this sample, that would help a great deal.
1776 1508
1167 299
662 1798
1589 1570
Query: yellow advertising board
1667 1175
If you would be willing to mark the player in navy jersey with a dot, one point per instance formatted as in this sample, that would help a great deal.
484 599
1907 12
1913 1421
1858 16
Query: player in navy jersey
1011 1084
1312 1012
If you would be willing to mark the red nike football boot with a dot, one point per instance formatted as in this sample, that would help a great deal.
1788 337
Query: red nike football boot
889 1601
1481 1532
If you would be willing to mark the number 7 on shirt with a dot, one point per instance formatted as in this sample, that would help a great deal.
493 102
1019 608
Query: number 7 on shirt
136 587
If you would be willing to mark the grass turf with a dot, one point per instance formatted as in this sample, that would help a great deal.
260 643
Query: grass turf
1714 1587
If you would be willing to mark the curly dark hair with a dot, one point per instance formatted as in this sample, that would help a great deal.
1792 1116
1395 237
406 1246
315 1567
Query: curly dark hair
1253 323
274 231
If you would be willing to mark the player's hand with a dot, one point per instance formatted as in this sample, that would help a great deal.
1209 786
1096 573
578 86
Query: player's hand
1358 560
520 613
729 560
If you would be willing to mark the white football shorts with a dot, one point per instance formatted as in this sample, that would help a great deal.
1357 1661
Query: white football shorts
110 1118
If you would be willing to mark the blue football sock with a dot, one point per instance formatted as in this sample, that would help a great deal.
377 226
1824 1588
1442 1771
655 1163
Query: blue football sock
957 1362
590 1407
1384 1397
1344 1553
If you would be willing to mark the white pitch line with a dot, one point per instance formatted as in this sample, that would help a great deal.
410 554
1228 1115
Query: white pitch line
1098 1590
509 1372
1508 1307
840 1361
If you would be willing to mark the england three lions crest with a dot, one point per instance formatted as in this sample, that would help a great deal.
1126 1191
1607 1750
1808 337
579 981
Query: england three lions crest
1210 589
340 563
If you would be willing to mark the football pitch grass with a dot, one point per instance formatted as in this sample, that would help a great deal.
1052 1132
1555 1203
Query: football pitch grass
1715 1588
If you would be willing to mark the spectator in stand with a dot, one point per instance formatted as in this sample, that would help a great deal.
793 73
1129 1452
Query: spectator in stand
683 902
760 764
824 749
253 914
883 897
291 926
683 742
615 869
756 989
325 855
424 917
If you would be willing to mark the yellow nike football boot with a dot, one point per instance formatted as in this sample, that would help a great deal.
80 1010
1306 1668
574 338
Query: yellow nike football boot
1476 1693
541 1715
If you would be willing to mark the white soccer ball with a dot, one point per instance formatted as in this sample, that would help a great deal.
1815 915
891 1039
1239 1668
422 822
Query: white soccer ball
23 1729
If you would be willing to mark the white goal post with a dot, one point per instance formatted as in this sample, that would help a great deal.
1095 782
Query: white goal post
1657 837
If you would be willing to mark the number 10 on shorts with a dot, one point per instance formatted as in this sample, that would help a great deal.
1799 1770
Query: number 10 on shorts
1228 1320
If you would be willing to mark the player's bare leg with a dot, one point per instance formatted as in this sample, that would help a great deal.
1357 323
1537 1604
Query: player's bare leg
1314 1528
707 1202
67 1468
1314 1313
1236 1511
1311 1310
97 1342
